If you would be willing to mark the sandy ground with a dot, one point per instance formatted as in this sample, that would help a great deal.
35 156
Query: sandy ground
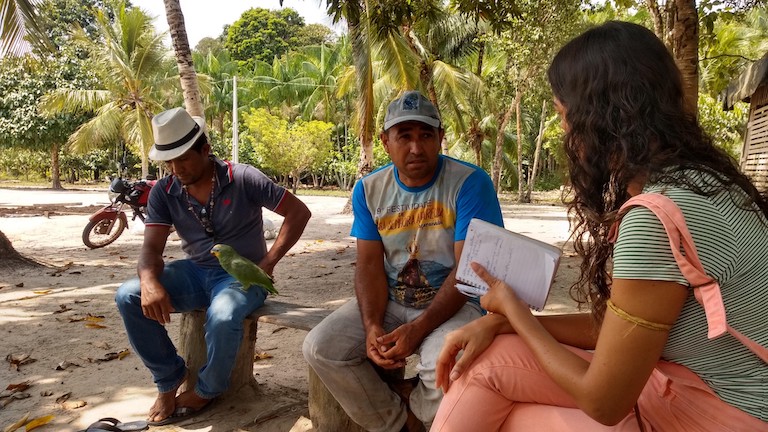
65 320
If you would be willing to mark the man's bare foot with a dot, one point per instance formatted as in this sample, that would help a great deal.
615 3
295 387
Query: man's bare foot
163 407
190 399
165 404
185 405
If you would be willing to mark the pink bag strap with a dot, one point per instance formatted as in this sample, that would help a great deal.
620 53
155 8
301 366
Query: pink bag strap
705 288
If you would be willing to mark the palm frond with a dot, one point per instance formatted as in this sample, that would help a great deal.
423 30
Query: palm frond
399 62
455 37
72 100
136 130
102 129
18 18
345 83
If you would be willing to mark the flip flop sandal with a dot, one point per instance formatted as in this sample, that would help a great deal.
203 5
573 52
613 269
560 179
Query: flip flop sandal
182 413
110 424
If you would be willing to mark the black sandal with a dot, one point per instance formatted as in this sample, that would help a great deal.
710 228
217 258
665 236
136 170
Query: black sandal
110 424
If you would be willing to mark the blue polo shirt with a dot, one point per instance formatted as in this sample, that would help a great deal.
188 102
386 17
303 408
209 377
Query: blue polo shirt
241 192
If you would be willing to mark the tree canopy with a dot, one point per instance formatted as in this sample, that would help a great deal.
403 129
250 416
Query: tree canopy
261 35
481 63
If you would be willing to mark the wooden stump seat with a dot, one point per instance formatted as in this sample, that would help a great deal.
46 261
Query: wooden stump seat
326 414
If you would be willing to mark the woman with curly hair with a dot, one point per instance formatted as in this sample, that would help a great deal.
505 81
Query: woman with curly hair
643 359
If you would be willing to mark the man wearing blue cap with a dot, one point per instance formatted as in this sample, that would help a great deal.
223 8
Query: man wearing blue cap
410 220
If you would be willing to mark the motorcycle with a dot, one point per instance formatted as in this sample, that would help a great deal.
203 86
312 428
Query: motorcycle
106 225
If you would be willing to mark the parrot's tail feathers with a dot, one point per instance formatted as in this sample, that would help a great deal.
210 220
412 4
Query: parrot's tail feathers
268 289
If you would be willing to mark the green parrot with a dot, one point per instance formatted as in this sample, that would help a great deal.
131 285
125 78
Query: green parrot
243 269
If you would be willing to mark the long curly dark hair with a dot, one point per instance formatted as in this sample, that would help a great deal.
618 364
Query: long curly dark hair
623 100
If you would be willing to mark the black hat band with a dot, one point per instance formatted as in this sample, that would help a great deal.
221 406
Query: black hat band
184 140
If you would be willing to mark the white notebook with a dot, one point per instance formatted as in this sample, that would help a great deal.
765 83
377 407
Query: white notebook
525 264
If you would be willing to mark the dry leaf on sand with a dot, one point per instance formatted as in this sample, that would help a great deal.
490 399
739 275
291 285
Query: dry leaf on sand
94 325
36 423
18 424
261 356
66 364
18 360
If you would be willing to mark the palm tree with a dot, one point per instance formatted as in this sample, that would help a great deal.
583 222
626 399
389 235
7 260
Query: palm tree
18 18
355 13
403 45
189 85
321 67
462 63
218 71
474 115
129 62
277 86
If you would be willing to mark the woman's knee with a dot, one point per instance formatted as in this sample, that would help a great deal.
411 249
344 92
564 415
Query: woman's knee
509 349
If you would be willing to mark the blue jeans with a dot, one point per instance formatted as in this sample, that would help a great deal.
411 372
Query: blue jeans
191 287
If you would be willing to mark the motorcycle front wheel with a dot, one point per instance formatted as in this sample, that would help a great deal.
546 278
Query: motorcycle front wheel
97 233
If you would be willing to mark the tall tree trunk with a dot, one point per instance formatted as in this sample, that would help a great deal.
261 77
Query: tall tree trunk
498 154
363 65
55 168
433 98
685 47
354 12
480 55
475 133
144 165
425 68
476 141
10 258
534 171
189 86
519 130
676 23
220 126
658 19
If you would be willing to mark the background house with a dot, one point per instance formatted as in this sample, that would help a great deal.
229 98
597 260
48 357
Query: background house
752 86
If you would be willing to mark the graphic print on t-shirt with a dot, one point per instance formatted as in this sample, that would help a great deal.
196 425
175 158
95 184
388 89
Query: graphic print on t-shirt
412 285
416 228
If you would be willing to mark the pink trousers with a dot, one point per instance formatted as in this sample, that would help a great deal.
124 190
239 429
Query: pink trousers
506 390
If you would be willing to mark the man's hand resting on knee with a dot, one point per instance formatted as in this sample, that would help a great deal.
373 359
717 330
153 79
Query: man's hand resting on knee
155 302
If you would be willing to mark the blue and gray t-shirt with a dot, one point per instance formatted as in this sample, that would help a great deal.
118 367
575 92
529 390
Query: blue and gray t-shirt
419 226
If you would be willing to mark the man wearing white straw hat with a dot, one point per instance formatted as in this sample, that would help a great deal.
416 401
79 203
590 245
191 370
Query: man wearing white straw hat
208 201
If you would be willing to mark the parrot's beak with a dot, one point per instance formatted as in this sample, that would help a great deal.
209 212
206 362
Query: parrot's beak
215 253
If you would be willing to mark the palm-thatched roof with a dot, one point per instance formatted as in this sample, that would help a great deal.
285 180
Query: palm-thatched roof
744 86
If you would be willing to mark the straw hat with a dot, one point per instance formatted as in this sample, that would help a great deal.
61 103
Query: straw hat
175 132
